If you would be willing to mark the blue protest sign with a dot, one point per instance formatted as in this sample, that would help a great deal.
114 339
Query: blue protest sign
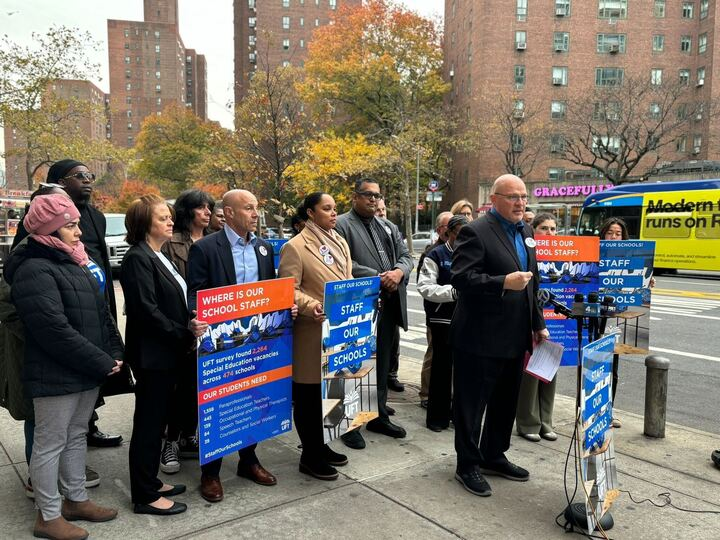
353 355
277 244
595 402
345 334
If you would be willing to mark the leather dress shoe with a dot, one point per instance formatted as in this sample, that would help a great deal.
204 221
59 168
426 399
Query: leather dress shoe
257 473
353 439
176 508
435 427
390 410
177 489
549 435
211 489
98 439
385 427
395 385
319 470
533 437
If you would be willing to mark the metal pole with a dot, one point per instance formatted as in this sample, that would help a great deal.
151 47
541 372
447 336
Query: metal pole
417 192
656 381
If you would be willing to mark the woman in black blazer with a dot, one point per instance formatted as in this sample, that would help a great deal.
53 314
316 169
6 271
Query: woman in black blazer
158 335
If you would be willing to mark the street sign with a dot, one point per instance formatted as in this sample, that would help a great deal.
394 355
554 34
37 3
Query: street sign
433 185
433 197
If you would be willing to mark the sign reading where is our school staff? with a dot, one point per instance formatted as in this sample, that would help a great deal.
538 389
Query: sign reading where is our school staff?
567 265
598 467
244 366
348 346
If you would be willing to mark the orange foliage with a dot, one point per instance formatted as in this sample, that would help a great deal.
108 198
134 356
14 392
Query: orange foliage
216 190
129 191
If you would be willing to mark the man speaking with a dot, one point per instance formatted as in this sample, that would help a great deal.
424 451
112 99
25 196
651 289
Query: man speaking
496 320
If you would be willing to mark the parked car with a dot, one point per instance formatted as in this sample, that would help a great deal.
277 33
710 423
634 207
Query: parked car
421 240
115 240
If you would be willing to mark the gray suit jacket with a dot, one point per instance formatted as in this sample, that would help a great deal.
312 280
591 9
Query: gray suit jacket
365 258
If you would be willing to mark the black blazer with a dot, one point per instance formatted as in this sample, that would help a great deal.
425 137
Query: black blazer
211 264
488 320
156 332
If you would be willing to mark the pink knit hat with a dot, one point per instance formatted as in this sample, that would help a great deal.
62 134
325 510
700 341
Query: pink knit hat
48 213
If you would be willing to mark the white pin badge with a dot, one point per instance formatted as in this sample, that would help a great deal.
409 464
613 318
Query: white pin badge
530 242
328 259
263 251
324 250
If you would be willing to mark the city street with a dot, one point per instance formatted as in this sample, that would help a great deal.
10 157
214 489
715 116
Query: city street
685 327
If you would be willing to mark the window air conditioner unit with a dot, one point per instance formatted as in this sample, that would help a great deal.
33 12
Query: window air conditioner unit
560 11
518 113
701 82
698 116
554 148
557 81
559 48
521 45
614 48
612 116
452 73
517 147
696 150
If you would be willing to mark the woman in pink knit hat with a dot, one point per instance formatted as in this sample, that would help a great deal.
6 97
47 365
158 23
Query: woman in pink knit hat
71 346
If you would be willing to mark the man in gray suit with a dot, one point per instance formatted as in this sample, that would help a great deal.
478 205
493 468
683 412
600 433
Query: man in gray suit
377 249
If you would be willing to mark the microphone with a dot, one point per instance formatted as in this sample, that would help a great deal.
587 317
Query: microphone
578 307
545 297
606 309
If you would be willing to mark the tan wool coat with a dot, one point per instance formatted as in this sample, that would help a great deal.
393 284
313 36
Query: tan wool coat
300 259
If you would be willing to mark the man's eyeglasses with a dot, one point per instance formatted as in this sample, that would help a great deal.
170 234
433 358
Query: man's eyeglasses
84 177
514 198
370 194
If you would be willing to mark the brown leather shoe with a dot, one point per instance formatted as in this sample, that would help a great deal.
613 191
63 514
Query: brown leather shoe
58 529
87 511
257 473
211 489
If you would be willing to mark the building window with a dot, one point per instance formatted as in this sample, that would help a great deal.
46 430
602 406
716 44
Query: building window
127 59
697 144
562 8
686 44
681 143
158 88
130 139
557 143
521 10
286 3
607 111
561 41
157 74
609 76
127 32
286 44
702 43
704 8
157 34
656 76
520 39
128 113
519 108
157 49
128 100
687 10
129 124
317 22
158 101
138 59
658 43
659 9
700 76
128 74
519 77
285 63
655 111
251 4
127 46
302 43
611 43
558 110
128 86
559 75
605 144
684 75
252 21
555 174
332 4
302 21
252 57
252 39
612 9
286 23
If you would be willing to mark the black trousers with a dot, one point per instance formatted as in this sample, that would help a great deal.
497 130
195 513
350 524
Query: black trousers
395 355
307 413
152 397
387 327
183 414
440 389
615 376
488 387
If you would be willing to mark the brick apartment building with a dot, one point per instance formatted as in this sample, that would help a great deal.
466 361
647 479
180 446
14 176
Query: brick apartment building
151 68
547 49
276 32
95 127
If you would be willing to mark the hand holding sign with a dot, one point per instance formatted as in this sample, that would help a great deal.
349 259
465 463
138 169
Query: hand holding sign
517 281
197 328
318 314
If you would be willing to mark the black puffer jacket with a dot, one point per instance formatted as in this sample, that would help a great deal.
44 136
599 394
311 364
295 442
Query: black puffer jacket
71 340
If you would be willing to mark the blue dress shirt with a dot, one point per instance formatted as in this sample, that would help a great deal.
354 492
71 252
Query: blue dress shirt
244 256
514 232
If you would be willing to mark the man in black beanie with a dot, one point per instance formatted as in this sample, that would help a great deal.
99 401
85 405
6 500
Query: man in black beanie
77 181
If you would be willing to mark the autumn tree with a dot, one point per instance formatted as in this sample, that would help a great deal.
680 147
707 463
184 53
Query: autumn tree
47 124
170 145
626 127
129 191
377 69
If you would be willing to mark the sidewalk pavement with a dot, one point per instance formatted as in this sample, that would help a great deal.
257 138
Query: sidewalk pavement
395 489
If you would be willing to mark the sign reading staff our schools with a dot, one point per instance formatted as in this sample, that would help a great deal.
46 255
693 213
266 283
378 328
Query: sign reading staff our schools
348 345
244 366
567 265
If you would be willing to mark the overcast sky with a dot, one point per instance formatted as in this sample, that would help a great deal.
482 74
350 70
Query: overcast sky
204 25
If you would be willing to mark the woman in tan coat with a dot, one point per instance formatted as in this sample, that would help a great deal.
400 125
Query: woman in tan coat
314 257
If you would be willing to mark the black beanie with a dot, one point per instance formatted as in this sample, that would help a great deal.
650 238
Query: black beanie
60 168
